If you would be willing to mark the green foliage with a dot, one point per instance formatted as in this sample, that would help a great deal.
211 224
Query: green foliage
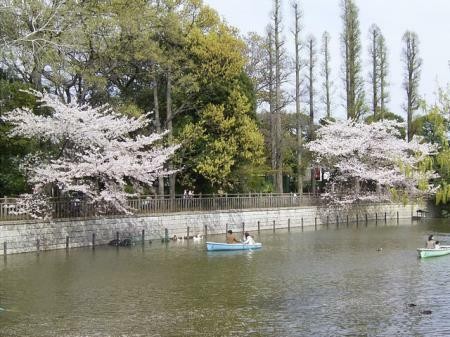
12 181
119 52
434 126
222 145
387 115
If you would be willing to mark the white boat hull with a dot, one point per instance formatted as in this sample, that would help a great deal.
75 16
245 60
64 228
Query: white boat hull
220 246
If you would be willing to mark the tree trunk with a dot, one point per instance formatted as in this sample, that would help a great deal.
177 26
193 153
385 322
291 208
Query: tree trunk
326 71
374 73
279 157
170 130
157 124
311 66
297 101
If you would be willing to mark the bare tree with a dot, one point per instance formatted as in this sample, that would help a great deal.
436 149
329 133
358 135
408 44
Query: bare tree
327 84
311 78
298 67
412 63
351 49
278 50
257 52
272 104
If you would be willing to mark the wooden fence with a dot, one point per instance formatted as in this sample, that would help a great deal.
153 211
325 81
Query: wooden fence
77 208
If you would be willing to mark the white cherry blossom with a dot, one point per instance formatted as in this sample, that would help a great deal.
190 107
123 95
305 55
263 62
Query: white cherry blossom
96 152
371 162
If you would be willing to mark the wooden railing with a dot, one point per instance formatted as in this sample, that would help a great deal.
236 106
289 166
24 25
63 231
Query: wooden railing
76 208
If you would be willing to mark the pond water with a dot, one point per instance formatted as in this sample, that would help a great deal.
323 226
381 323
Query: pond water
329 282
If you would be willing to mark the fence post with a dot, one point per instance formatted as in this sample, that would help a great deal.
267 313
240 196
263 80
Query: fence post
385 217
337 220
206 231
289 225
376 218
274 226
243 228
4 248
315 223
259 227
226 230
397 217
347 220
143 236
188 229
302 224
366 218
38 245
67 242
166 235
93 240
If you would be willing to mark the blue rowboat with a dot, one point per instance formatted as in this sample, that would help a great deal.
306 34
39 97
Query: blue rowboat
427 252
215 246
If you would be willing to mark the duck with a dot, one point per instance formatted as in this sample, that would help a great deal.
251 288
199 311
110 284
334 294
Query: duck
426 312
198 237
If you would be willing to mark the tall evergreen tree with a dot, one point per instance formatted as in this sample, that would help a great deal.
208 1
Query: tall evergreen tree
327 84
412 63
384 73
351 49
379 71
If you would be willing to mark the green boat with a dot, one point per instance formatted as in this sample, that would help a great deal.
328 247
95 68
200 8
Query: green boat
427 252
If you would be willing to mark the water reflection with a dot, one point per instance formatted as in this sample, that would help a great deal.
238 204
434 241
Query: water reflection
330 282
232 253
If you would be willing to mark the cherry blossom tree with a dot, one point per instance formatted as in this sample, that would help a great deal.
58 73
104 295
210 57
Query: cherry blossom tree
370 162
97 153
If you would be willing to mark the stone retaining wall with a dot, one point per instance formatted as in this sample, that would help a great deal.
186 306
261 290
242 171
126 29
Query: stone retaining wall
29 236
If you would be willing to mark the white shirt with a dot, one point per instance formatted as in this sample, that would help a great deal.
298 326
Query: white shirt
249 241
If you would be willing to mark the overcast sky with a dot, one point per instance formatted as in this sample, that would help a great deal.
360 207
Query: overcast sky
430 19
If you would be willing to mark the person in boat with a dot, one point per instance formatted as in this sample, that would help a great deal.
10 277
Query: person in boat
437 245
249 239
431 244
231 238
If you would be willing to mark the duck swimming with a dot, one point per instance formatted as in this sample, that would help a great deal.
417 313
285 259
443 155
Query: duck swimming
198 237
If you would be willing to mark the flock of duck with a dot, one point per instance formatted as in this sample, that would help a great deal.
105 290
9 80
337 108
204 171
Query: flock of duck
196 238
